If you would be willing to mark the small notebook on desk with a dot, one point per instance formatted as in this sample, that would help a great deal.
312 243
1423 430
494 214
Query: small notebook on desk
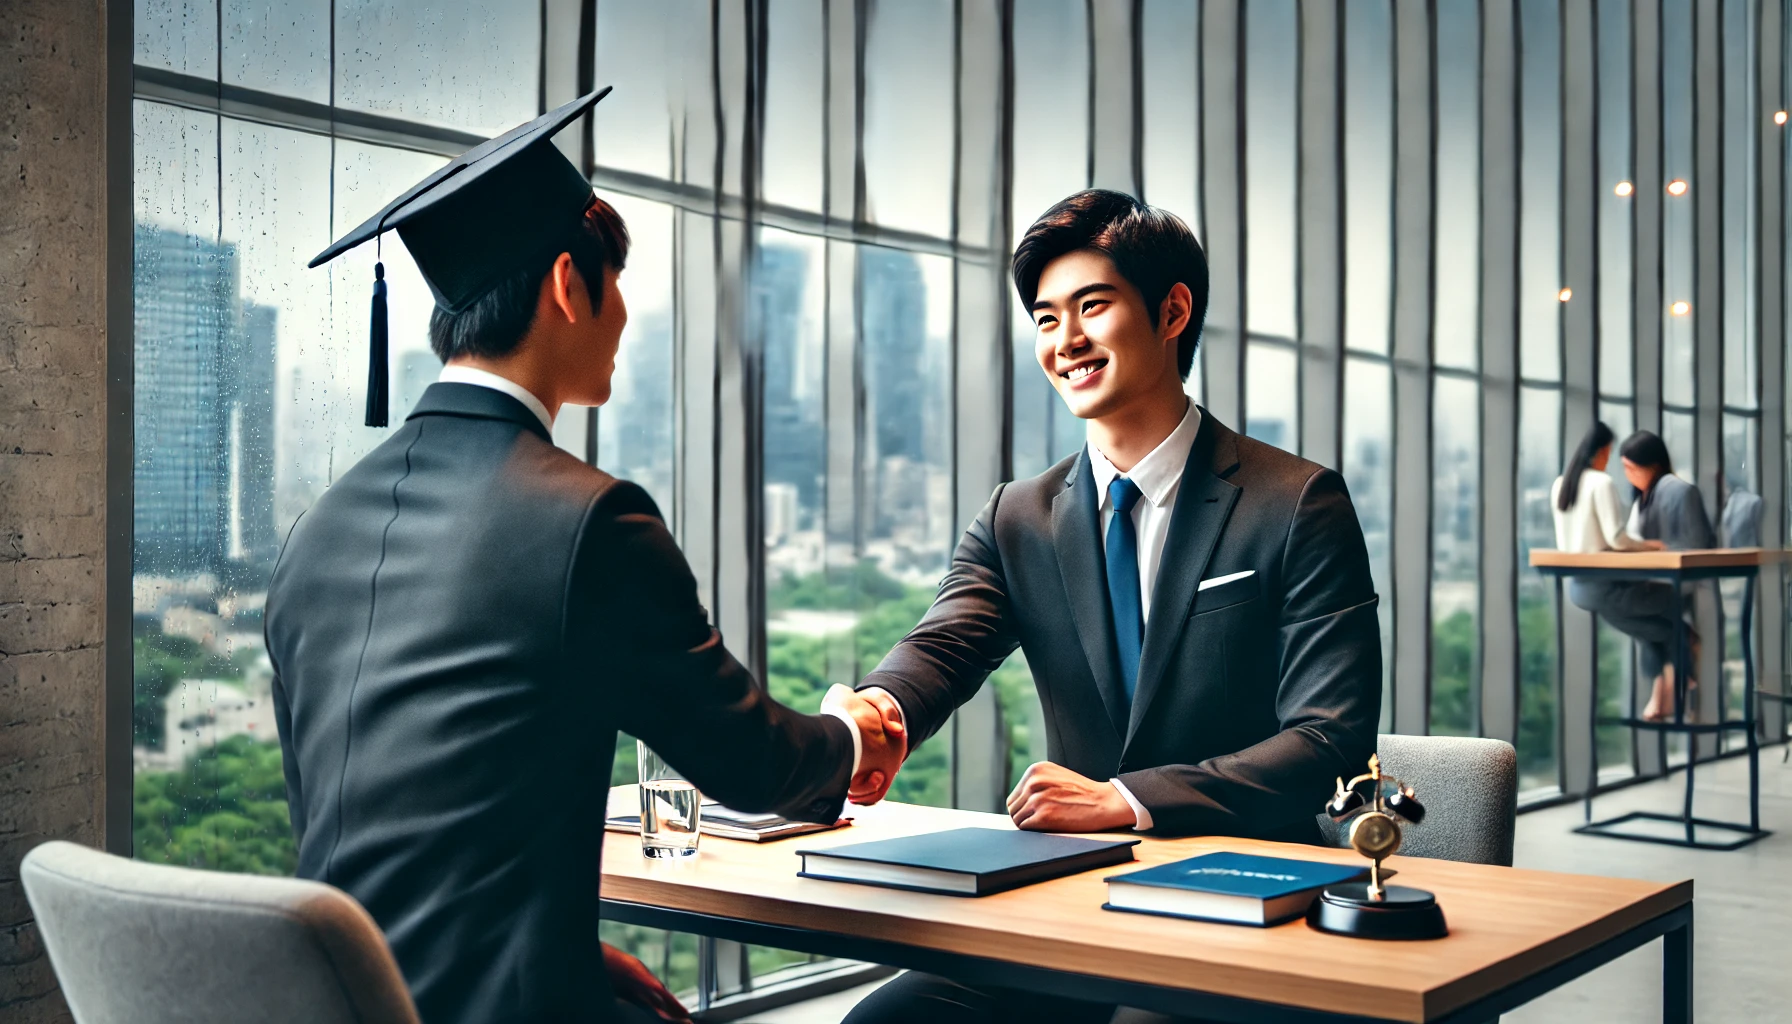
1238 888
964 861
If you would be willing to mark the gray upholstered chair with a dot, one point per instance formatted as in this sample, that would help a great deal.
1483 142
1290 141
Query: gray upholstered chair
1470 791
150 944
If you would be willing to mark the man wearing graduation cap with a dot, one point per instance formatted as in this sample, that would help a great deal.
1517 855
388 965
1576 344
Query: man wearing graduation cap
463 622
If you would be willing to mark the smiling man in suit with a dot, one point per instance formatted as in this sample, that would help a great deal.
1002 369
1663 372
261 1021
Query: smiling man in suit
1195 605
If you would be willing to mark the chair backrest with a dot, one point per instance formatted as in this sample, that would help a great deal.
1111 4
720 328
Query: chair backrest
159 945
1741 520
1469 788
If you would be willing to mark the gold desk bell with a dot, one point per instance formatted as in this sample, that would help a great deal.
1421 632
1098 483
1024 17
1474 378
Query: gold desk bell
1371 910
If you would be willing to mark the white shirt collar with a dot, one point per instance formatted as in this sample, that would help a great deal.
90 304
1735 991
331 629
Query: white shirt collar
1158 473
486 379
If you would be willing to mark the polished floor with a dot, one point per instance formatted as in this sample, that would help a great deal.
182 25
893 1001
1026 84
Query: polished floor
1742 922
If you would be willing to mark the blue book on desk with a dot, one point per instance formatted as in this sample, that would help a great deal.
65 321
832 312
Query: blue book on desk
1238 888
964 861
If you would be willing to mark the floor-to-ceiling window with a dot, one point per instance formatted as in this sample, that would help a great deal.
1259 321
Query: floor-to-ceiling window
1542 294
1368 431
808 256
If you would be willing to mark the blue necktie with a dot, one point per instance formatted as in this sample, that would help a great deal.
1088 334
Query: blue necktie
1123 581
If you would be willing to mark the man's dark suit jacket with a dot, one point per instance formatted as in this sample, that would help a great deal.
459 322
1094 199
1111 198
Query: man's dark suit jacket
459 627
1253 695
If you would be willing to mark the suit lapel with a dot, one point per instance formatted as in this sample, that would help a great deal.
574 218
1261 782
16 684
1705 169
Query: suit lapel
1076 534
1203 503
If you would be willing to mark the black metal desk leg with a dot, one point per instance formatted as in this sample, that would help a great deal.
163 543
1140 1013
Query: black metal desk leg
1683 693
1749 700
1676 975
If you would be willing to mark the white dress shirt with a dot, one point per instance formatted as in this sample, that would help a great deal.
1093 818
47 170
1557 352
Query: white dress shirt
1593 522
487 379
1159 478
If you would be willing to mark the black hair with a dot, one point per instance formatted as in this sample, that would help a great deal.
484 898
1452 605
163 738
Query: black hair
1152 248
1598 436
1648 450
494 325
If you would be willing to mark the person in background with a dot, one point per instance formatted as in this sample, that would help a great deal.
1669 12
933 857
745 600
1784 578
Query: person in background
1669 510
1584 500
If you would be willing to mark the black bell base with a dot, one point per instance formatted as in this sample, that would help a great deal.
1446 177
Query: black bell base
1405 913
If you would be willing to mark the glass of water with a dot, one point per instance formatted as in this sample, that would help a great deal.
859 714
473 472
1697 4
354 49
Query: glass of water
669 808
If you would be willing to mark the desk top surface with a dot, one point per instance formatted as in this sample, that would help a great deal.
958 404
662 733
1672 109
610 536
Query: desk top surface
1505 924
1707 558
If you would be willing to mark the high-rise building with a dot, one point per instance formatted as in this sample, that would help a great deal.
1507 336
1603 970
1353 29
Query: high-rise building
795 444
204 416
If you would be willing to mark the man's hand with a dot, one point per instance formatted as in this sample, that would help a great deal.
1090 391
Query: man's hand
1052 798
882 737
632 981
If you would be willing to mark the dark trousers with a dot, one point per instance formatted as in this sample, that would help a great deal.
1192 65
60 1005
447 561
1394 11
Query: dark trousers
925 997
1645 610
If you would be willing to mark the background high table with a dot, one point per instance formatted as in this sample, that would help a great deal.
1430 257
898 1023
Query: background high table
1514 934
1677 567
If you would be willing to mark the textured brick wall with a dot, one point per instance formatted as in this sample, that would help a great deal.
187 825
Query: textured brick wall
52 458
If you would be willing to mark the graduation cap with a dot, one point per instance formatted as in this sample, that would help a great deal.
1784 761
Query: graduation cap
472 223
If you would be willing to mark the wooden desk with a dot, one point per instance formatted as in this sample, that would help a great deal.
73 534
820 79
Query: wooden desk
1514 934
1692 563
1677 567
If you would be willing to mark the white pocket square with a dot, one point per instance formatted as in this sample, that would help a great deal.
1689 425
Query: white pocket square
1218 580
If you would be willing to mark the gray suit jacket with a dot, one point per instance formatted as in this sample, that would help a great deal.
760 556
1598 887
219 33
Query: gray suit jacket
1673 512
459 627
1252 696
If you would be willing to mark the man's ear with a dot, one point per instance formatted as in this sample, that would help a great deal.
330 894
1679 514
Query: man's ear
557 289
1173 314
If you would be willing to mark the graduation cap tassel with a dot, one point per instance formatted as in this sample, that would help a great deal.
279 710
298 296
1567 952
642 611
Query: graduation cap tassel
376 365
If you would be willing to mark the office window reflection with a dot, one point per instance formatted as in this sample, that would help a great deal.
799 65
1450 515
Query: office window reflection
1455 556
657 55
1615 211
1170 41
1051 141
1677 371
1272 410
1272 119
795 88
1540 191
442 73
1369 474
1457 226
1368 175
634 430
909 115
1540 461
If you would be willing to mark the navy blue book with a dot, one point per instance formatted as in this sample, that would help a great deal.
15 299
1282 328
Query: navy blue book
964 861
1233 887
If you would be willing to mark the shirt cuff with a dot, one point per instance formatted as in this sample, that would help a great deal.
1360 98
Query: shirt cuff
1142 817
858 745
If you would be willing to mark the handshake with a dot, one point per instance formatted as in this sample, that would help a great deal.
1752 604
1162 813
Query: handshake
1048 798
883 740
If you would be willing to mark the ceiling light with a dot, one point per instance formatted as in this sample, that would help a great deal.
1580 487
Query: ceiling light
1779 117
1564 295
1677 187
1680 308
1623 189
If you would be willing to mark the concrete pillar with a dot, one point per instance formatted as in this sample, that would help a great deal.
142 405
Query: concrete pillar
53 498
